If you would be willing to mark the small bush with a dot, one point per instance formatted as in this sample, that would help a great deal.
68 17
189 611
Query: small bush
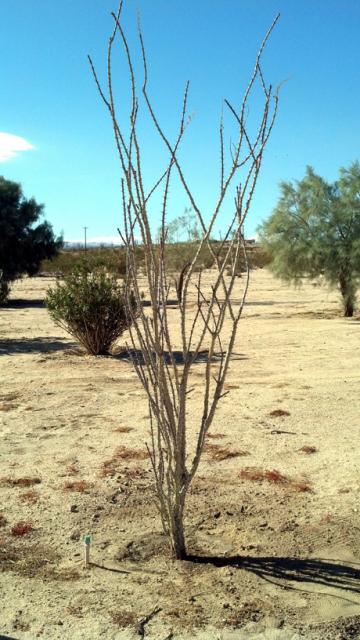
22 528
81 486
30 497
92 307
20 482
216 452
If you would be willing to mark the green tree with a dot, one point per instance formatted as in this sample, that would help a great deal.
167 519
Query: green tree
184 228
23 243
315 230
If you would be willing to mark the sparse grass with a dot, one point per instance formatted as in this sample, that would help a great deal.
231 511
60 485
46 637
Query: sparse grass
3 520
123 618
81 486
123 429
75 610
63 573
7 406
308 449
111 466
124 453
274 476
133 474
19 482
279 413
218 453
9 397
22 528
30 497
252 473
301 487
72 469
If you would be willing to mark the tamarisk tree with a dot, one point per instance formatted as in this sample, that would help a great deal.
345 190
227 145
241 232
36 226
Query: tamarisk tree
315 230
208 315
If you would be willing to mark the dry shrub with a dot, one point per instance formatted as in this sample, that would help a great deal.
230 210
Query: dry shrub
133 474
279 413
20 482
81 486
215 436
22 528
7 406
123 618
3 520
248 611
111 467
30 497
274 476
63 573
301 487
74 610
124 453
72 469
123 429
216 452
308 449
252 473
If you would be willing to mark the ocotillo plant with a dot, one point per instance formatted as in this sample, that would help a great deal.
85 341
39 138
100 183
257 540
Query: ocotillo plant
211 324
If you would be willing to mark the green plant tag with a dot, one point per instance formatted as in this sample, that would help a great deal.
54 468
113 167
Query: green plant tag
87 540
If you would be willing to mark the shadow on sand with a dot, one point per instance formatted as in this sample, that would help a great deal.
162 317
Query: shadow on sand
316 570
22 303
10 347
202 357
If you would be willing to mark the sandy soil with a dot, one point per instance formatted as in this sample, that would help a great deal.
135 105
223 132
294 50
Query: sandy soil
280 559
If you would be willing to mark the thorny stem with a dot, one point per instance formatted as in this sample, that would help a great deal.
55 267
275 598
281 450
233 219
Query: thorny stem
163 369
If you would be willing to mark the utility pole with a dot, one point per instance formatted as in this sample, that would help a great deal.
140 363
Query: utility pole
85 229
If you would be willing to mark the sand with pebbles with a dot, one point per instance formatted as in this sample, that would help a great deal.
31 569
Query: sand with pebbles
277 528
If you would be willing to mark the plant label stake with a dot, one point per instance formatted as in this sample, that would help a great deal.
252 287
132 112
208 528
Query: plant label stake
87 543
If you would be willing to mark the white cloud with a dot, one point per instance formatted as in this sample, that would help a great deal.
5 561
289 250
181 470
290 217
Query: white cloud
11 145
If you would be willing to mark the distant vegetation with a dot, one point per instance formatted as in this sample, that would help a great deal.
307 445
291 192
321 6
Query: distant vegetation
111 259
315 230
23 243
114 259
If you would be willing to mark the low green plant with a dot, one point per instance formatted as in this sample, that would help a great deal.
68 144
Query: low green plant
111 259
92 306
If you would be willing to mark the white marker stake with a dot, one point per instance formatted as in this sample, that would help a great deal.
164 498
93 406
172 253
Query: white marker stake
87 542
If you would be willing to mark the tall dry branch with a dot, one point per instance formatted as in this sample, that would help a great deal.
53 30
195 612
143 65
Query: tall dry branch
208 313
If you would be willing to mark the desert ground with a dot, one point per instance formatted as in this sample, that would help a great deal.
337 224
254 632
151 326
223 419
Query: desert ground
273 516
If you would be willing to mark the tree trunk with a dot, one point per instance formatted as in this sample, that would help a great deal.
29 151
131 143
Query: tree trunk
349 308
177 536
348 295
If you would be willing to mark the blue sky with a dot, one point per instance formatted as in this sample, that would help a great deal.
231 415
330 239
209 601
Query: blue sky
48 97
